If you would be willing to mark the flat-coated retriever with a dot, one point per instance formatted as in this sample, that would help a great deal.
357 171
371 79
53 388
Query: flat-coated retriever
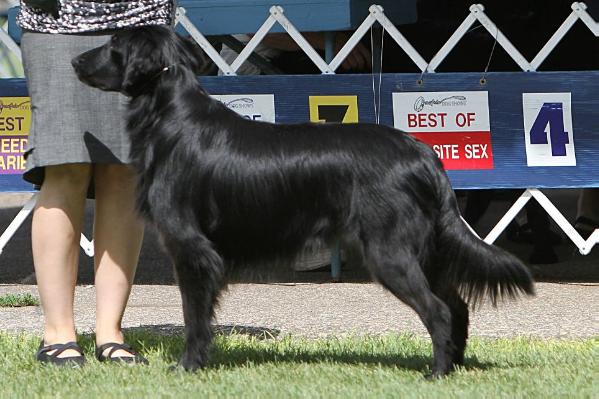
224 191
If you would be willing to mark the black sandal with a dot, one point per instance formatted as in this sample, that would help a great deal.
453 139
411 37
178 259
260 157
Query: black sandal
136 358
43 356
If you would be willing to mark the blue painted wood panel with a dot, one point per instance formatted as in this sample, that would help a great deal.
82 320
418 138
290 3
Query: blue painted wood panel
218 17
504 89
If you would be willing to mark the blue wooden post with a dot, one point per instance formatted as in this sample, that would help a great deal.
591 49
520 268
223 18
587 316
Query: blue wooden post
336 263
329 54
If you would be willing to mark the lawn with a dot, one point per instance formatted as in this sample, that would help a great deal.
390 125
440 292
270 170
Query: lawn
391 366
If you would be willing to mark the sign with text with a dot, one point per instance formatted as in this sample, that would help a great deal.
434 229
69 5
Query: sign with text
15 120
548 129
339 109
455 124
256 107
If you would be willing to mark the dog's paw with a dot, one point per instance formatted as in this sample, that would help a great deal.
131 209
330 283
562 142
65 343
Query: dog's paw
439 373
182 368
434 376
191 364
174 368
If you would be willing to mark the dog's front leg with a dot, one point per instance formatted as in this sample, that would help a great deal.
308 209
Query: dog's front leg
200 274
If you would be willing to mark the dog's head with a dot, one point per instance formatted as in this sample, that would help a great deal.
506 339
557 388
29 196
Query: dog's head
133 58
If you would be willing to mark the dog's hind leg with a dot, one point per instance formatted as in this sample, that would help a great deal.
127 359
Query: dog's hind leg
401 274
200 275
459 321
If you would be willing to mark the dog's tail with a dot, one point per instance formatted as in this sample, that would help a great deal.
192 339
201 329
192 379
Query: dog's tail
478 269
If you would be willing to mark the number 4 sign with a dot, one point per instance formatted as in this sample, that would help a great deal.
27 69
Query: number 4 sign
548 129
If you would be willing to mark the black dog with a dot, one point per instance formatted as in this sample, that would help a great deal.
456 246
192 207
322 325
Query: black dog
224 191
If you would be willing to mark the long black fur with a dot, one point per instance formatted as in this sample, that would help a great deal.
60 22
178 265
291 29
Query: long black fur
224 191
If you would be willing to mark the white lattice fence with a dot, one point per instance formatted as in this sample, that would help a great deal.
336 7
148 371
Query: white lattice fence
377 14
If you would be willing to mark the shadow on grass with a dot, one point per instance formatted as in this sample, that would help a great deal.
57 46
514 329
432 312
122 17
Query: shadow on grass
168 340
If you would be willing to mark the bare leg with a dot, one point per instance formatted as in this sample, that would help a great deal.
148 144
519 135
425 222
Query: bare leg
118 233
56 228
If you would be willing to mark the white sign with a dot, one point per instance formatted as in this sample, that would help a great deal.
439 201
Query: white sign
548 129
455 124
257 107
447 111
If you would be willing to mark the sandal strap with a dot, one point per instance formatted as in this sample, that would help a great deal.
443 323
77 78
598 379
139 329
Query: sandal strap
115 346
58 349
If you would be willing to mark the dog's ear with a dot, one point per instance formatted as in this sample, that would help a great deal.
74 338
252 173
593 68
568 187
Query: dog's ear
194 57
138 70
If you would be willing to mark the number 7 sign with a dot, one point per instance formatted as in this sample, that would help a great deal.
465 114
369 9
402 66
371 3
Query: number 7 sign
548 129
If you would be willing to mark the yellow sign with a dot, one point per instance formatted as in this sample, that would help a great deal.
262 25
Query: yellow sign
343 109
15 116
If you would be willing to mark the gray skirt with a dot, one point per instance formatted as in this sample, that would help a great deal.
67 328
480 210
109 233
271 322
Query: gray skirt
71 122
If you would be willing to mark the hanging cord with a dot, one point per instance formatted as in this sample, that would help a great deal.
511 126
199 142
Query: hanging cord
376 94
483 78
475 28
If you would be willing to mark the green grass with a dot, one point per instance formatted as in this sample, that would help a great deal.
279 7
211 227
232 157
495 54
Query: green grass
391 366
17 300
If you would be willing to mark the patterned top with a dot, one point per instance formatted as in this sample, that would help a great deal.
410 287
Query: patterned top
91 16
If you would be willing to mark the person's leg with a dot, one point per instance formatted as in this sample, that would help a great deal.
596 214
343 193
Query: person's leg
55 231
118 233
